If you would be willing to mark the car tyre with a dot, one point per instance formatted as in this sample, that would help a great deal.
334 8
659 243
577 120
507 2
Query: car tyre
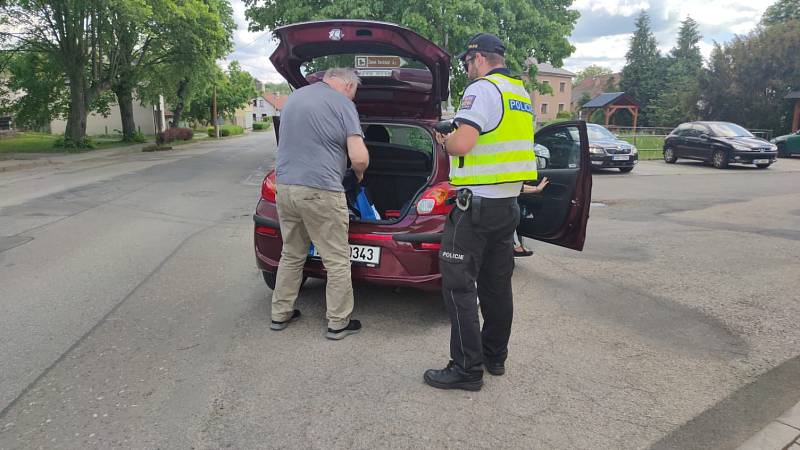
271 279
782 153
625 169
762 166
669 156
720 159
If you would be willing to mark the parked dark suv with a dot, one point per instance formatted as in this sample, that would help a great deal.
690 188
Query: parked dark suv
609 151
404 81
720 143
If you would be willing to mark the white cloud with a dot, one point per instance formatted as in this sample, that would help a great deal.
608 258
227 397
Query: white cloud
252 49
718 20
612 7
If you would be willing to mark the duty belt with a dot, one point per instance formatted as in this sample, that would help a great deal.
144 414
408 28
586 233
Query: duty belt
465 201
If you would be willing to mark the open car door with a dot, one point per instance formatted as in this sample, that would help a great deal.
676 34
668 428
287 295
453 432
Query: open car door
559 214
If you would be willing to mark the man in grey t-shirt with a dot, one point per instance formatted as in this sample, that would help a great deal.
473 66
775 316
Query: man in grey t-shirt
319 129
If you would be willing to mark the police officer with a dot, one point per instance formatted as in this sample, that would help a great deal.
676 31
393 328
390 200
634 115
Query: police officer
491 154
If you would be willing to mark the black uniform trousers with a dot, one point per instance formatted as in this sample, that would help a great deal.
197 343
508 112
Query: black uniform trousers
477 261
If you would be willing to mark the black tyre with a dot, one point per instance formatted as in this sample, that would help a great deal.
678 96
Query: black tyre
782 153
625 169
762 166
669 156
270 278
720 159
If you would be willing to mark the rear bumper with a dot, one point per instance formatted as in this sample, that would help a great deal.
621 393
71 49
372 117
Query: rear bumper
603 161
407 259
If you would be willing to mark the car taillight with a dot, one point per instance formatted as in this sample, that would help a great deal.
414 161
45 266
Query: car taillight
268 187
434 200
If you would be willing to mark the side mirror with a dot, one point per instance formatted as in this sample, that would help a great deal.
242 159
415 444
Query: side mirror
704 137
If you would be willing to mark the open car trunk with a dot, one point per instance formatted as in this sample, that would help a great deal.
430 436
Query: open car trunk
401 163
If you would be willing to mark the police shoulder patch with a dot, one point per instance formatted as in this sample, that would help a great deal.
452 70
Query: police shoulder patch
466 102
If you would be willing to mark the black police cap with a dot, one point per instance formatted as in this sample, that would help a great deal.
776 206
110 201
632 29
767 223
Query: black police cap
484 43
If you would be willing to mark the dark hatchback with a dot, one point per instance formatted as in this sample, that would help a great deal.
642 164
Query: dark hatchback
720 143
407 177
609 151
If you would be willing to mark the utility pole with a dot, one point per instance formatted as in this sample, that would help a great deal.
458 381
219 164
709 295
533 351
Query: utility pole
214 112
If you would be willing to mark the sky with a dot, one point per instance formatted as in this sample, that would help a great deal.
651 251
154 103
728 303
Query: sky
601 35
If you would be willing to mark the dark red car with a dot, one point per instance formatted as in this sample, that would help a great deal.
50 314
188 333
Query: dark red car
404 82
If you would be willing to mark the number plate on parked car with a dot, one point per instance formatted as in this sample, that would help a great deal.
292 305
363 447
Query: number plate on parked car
621 157
760 161
363 254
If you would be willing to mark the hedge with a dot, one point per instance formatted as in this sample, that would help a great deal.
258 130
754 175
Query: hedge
174 134
226 130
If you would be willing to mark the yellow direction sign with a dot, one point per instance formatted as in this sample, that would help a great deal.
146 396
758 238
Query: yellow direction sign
379 62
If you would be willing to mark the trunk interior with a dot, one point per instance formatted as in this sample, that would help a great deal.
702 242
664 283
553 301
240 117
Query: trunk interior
401 163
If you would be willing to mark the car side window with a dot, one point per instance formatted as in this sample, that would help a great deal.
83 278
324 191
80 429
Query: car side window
564 146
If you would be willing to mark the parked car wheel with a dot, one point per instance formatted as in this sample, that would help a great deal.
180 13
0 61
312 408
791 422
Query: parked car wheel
625 169
270 278
762 166
782 150
669 156
720 159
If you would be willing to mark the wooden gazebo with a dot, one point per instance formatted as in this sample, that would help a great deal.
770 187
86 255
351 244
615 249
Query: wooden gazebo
610 103
796 116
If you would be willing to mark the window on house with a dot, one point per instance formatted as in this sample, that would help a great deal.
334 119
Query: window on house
560 107
544 108
546 82
562 87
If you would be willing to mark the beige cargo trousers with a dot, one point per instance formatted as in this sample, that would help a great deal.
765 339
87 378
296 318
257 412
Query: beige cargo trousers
313 215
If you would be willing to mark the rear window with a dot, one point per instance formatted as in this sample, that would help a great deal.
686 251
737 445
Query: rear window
375 70
410 136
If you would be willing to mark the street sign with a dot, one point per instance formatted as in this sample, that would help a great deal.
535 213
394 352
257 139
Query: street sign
379 62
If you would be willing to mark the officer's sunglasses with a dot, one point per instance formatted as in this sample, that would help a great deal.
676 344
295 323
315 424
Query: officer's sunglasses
465 62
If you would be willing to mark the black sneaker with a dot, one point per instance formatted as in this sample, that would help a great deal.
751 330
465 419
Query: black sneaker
278 326
454 377
352 328
495 368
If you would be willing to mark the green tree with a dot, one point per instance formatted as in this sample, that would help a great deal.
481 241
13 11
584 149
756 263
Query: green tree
592 71
642 76
168 48
77 36
781 11
748 78
235 89
539 29
281 88
678 101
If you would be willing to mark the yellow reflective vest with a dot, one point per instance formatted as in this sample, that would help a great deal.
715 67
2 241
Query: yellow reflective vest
505 154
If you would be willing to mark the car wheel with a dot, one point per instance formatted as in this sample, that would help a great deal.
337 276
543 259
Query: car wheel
782 150
271 279
720 159
669 156
762 166
625 169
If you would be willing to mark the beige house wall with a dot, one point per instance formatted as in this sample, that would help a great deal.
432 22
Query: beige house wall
143 116
546 107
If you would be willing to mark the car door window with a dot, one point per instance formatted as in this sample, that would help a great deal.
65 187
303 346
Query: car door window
559 214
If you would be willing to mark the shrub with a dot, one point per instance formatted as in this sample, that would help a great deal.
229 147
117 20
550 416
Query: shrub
226 130
174 134
261 126
564 115
138 136
70 144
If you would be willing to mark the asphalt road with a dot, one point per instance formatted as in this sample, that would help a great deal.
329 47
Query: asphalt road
132 316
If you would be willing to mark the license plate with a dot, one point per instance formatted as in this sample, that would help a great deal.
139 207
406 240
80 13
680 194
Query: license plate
760 161
361 254
621 157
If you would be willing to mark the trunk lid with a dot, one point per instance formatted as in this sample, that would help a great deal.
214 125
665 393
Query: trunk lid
404 75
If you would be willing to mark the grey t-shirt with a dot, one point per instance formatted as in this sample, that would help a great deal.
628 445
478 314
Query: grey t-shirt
315 124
